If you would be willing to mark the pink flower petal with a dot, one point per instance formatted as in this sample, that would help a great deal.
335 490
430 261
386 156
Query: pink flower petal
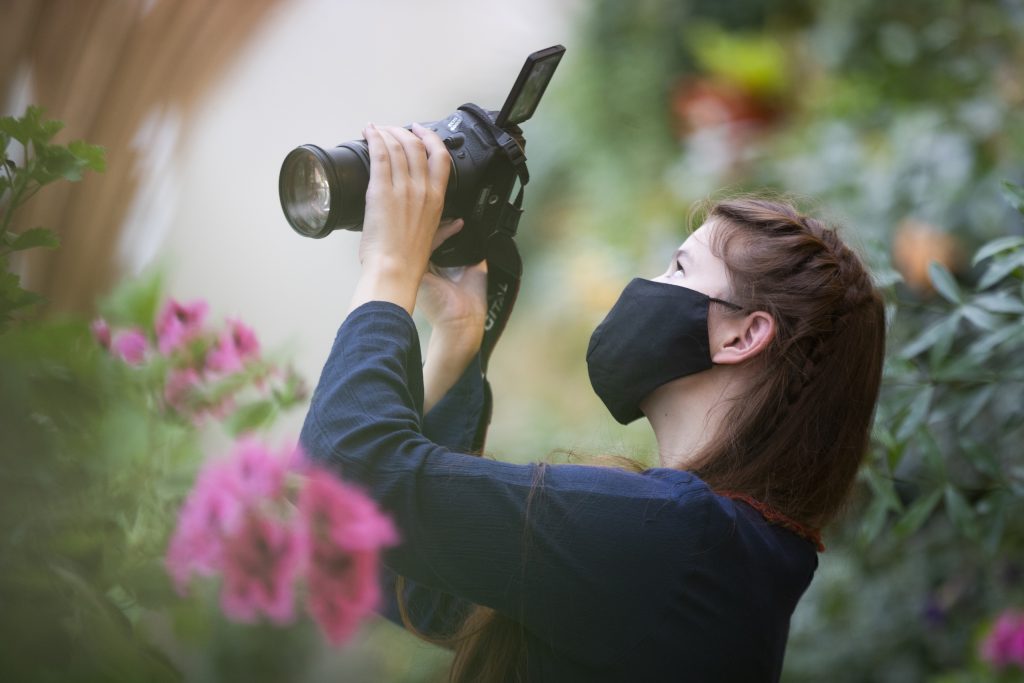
179 323
1004 644
101 332
235 345
346 532
261 563
178 388
129 346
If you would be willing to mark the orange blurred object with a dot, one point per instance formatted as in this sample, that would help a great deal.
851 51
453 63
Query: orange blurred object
916 244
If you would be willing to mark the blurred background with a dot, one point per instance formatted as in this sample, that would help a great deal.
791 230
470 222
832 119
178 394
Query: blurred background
898 121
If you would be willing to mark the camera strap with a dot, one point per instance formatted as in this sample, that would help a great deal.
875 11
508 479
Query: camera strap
504 273
504 263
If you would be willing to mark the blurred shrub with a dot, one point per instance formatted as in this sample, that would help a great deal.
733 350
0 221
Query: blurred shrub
902 119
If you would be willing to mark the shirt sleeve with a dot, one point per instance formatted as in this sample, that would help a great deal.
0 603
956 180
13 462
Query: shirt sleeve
452 423
581 556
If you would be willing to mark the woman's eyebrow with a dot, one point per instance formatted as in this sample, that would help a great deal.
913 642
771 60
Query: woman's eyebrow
681 253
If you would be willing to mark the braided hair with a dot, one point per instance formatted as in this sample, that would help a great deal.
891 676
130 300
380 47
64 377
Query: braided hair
799 434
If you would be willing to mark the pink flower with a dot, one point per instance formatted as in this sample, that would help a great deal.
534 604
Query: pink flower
235 345
179 387
1004 644
257 472
346 532
212 511
179 323
261 563
101 332
236 522
225 492
129 346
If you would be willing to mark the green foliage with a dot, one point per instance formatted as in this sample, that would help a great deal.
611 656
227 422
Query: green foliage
91 478
944 485
888 114
42 162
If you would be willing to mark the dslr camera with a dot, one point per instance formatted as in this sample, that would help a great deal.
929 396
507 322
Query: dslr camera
323 190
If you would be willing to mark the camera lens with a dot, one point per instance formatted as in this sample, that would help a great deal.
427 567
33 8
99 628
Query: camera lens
306 191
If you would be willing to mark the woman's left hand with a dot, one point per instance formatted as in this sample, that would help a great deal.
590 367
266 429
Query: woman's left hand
404 199
454 301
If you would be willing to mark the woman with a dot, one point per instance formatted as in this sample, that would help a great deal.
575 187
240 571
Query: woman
756 357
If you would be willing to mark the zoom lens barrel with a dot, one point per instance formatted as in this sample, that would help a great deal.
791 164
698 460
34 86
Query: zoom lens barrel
325 190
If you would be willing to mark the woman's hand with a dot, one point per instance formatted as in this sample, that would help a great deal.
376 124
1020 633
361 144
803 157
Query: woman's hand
404 198
454 301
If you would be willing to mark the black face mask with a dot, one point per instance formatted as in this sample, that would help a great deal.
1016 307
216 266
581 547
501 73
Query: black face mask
656 332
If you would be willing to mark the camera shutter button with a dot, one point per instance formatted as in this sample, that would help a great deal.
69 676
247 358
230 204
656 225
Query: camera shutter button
455 141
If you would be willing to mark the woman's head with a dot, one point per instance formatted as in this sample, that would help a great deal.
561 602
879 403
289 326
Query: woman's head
814 329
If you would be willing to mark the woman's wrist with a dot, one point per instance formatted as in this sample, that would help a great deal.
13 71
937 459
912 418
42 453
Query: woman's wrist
384 279
449 353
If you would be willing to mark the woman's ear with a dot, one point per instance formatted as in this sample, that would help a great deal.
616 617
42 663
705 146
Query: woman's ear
743 338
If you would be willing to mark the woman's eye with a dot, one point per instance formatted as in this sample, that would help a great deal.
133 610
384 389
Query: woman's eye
677 269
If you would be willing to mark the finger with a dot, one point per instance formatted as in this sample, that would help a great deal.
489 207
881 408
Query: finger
380 161
445 230
439 161
479 267
399 166
415 155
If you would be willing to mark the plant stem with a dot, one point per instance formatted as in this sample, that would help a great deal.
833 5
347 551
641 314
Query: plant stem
17 190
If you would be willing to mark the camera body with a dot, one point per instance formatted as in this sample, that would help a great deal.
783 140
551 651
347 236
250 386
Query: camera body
323 190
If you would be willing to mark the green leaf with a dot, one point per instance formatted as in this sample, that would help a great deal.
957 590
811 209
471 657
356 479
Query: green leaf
996 247
92 156
14 128
30 127
251 417
941 329
999 302
960 512
134 302
1014 194
917 413
985 345
54 162
974 405
999 269
944 282
997 525
882 488
873 521
932 455
12 296
981 318
917 514
35 237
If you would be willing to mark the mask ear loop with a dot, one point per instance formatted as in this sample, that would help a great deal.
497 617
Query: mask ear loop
729 304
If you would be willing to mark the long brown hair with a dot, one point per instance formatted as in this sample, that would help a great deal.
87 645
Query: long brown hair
797 437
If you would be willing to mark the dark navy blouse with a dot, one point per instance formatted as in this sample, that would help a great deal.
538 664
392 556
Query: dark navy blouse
614 575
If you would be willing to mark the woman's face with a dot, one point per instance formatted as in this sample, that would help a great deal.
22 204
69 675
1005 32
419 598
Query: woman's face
693 265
